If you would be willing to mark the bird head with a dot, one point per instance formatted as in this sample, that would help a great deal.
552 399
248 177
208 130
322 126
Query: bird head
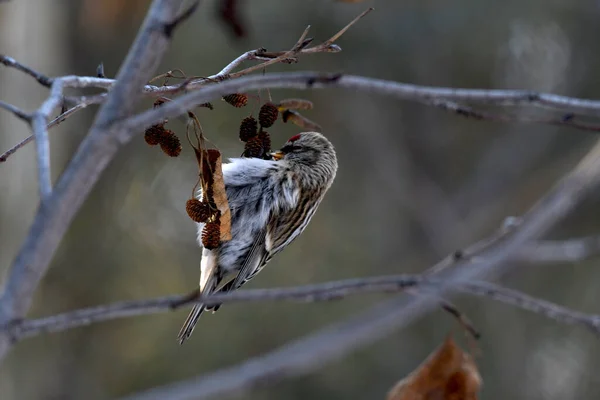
310 153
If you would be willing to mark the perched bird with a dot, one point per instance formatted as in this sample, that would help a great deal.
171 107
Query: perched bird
271 203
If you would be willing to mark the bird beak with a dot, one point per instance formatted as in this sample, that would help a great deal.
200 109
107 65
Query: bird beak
277 155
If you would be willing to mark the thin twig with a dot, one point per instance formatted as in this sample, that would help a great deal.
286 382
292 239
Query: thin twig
16 111
11 62
82 103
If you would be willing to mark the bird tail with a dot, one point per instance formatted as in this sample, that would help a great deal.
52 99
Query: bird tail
208 283
190 322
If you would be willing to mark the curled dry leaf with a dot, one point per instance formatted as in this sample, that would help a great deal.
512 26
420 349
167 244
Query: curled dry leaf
213 183
295 104
300 120
447 374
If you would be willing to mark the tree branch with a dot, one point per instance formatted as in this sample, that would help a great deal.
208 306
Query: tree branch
546 251
39 121
313 80
309 293
16 111
12 63
97 149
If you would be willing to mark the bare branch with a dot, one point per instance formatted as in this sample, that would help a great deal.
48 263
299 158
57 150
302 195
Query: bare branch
11 62
572 250
40 132
97 149
309 293
170 26
560 251
567 120
335 37
62 117
16 111
312 80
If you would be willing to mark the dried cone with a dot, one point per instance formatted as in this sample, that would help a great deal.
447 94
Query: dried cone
254 148
197 210
248 128
170 144
211 234
268 115
236 99
265 139
154 134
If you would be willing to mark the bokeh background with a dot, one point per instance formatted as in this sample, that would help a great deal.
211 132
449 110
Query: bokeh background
414 184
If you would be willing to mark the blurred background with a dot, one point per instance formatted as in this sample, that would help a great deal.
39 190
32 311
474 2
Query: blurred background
414 184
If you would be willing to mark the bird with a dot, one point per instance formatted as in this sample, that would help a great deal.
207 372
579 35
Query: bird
271 203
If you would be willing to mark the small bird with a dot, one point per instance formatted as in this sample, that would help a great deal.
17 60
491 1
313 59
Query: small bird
271 203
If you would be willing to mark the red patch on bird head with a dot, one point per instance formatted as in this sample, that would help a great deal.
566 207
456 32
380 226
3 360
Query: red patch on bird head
294 138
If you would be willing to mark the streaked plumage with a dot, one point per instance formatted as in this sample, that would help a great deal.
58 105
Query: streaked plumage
271 203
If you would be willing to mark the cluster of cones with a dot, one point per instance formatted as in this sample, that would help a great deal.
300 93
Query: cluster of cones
166 138
258 141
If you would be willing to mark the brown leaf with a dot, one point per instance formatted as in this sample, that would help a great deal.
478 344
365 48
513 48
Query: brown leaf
300 120
210 165
447 374
295 104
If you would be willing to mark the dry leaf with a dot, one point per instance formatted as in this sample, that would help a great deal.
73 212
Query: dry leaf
295 104
300 120
447 374
212 177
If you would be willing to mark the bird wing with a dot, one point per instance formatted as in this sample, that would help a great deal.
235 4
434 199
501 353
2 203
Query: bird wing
287 225
282 228
253 263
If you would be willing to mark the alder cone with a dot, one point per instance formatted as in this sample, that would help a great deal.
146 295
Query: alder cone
254 148
265 139
268 115
197 210
153 135
237 100
170 144
248 128
211 235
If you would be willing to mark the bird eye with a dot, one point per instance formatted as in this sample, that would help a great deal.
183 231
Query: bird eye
289 148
